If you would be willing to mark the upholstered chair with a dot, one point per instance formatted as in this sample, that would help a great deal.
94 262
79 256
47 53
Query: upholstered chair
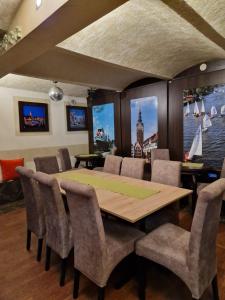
165 172
46 164
190 255
133 167
64 157
58 228
34 208
112 164
98 247
161 154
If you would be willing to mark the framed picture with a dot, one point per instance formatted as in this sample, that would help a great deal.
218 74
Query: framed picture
144 126
76 118
204 124
33 117
103 127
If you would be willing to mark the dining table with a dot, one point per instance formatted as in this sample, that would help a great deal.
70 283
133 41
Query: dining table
126 198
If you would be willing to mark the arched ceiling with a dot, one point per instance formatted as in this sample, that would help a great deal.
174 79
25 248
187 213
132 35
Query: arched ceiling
146 35
8 10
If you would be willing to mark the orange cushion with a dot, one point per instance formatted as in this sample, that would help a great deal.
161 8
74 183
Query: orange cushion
8 168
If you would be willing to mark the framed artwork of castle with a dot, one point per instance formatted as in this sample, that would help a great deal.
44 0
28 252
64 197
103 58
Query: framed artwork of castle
144 126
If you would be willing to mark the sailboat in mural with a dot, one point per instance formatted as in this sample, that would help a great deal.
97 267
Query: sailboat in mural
196 147
187 111
196 110
213 111
222 111
203 108
206 123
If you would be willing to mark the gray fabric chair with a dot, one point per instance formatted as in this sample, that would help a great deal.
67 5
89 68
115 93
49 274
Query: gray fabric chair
165 172
112 164
46 164
58 228
190 255
98 248
34 208
64 157
133 167
161 154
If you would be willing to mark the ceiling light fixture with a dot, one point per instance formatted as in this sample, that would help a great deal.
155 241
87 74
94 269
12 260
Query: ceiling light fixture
38 4
55 93
203 67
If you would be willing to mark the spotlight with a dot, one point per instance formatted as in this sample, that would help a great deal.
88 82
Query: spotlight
38 4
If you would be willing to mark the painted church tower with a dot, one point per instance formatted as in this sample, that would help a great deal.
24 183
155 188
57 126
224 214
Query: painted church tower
140 128
138 147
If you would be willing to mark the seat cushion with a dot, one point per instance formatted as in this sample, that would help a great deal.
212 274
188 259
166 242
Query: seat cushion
167 245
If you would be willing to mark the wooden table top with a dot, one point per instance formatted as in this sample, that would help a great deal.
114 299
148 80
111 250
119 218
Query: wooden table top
132 209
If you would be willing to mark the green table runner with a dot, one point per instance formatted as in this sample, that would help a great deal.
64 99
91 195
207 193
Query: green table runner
193 165
115 186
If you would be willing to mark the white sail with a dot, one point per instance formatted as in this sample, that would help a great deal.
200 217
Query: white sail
187 112
196 109
203 108
213 111
196 147
206 122
222 111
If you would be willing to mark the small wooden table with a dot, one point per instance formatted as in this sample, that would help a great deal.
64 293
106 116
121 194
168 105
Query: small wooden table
89 159
128 208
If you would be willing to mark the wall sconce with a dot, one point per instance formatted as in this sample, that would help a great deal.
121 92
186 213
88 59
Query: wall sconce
38 4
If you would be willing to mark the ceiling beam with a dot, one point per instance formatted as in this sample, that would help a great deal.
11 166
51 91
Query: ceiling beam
189 14
70 18
70 67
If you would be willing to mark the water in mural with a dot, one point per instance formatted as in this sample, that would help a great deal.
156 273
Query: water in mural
204 124
103 127
144 126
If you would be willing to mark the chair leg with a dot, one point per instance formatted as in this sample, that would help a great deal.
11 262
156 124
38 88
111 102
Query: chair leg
76 283
215 288
39 249
63 271
48 258
101 293
141 277
28 239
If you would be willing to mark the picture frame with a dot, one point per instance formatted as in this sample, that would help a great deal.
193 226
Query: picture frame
33 116
76 117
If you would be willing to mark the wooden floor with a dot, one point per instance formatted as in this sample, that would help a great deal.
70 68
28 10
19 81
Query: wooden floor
22 278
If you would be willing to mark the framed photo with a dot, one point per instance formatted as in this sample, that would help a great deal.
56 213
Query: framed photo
76 118
33 117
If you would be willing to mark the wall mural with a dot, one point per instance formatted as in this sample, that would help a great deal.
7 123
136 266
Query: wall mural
103 127
204 124
144 126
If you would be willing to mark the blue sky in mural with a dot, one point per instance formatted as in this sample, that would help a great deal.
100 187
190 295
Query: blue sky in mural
103 117
149 111
36 111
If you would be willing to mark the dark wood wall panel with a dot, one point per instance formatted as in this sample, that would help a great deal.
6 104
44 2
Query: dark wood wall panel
158 89
175 105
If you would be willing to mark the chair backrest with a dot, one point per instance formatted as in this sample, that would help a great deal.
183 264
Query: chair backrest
46 164
87 227
166 172
202 246
64 157
222 174
161 154
133 167
55 214
33 202
112 164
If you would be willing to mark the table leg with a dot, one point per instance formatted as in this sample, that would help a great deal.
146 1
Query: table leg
194 194
77 163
